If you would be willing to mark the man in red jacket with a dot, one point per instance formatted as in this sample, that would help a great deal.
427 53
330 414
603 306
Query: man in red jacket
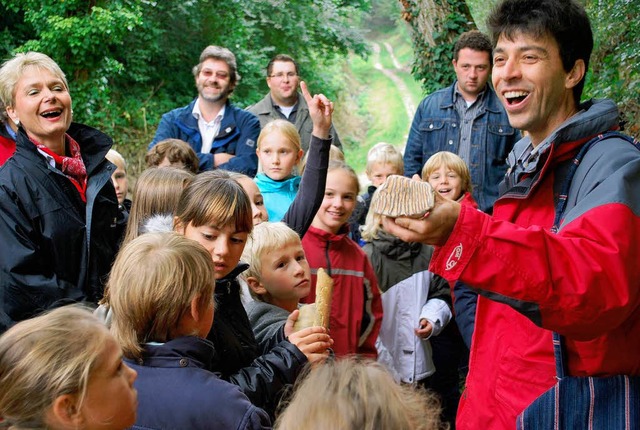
582 281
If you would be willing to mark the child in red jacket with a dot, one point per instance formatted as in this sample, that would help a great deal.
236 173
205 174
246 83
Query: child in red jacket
356 308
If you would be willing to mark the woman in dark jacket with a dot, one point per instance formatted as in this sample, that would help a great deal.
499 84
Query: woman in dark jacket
57 203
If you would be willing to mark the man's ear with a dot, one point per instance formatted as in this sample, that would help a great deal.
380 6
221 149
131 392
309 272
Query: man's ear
65 411
256 286
576 74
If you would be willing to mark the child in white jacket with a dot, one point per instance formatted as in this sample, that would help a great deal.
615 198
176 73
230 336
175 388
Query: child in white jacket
416 303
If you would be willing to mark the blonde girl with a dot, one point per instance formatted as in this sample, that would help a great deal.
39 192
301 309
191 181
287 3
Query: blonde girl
63 370
279 153
356 310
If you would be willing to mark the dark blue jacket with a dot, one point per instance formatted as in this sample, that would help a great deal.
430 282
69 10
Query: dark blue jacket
436 127
238 135
177 391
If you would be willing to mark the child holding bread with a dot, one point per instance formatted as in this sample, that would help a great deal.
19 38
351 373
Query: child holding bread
356 309
278 277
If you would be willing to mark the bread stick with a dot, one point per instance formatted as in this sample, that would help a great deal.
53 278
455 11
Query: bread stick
324 290
306 318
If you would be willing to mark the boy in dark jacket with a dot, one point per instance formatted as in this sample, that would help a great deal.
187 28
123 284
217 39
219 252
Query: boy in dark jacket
161 292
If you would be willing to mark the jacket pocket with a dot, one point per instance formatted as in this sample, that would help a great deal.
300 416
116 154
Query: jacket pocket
431 124
501 129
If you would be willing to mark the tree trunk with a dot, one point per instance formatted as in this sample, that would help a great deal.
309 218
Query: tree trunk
427 17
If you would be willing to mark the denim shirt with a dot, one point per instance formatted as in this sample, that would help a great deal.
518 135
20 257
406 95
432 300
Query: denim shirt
436 127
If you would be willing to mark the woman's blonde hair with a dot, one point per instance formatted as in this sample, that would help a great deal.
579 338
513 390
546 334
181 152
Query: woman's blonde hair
350 394
287 129
266 238
450 161
157 192
46 357
384 153
13 69
213 198
152 283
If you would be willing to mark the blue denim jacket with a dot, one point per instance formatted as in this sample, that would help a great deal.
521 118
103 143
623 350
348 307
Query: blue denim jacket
238 134
436 127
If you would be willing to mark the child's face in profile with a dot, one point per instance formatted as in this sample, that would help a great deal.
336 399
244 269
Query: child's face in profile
225 244
446 182
258 209
339 201
380 171
277 156
111 401
120 182
285 274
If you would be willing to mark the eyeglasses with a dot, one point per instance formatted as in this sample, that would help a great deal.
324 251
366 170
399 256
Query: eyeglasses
281 75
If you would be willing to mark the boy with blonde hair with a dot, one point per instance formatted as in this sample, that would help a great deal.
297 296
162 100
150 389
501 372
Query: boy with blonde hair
383 160
161 292
278 277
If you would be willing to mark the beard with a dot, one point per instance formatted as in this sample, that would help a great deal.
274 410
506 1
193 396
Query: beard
222 95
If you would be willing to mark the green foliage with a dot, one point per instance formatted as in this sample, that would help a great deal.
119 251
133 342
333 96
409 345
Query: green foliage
432 64
130 61
614 64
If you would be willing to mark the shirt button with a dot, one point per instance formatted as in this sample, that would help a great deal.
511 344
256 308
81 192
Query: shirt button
451 142
184 362
430 125
500 130
454 125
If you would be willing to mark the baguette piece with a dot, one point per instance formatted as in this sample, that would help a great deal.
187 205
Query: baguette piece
318 313
324 291
306 318
399 196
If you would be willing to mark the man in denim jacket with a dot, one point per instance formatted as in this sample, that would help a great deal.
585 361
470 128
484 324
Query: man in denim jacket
465 118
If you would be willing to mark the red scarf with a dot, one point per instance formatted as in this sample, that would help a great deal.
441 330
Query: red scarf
72 167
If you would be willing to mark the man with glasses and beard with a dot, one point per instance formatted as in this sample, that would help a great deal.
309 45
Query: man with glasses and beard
222 135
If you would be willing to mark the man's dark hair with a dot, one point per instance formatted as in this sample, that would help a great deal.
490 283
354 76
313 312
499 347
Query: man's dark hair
284 58
474 40
564 20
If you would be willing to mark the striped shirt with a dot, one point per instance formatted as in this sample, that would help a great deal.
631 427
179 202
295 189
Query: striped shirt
467 114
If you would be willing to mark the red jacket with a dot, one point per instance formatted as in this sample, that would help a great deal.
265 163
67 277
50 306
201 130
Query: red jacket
583 282
7 148
356 307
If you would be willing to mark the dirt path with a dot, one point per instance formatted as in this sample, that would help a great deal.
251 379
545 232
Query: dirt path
409 106
405 94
